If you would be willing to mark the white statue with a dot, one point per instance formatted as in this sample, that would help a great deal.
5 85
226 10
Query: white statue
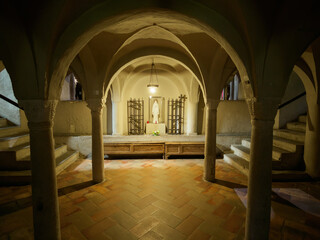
155 112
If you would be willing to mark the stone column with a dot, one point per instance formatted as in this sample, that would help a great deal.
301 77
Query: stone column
192 118
116 118
96 106
210 140
40 114
260 169
312 140
72 86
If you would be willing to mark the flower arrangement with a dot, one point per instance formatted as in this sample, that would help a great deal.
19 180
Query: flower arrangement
156 133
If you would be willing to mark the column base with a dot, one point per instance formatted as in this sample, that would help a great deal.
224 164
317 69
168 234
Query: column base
209 179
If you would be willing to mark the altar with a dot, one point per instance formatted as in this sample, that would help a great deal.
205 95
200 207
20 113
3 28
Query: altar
151 127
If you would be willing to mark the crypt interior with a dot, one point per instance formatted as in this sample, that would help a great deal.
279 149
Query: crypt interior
160 119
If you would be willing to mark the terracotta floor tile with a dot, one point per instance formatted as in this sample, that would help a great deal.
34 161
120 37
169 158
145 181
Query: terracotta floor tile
165 206
167 232
71 232
223 210
145 226
184 211
127 207
124 219
149 197
80 219
117 232
215 231
88 207
167 218
144 202
199 235
146 212
97 228
180 201
151 236
102 213
233 223
189 225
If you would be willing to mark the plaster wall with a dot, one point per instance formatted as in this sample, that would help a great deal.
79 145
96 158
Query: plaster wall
65 92
74 118
291 111
7 110
233 117
138 89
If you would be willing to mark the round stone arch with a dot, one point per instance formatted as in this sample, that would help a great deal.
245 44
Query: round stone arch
89 24
120 67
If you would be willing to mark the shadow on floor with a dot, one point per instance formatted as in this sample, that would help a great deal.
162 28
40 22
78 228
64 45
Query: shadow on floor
22 203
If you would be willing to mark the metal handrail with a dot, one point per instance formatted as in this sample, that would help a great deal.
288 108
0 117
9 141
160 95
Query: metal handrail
10 101
291 100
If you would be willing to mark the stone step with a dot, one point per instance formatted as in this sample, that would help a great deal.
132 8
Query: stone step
10 130
59 150
238 162
22 151
296 126
281 159
289 175
18 158
23 177
66 160
302 118
241 151
277 175
287 144
13 141
277 153
15 178
290 134
3 122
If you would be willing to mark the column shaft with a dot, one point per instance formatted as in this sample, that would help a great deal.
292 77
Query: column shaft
116 118
45 202
312 140
96 105
44 186
192 118
259 186
210 142
97 147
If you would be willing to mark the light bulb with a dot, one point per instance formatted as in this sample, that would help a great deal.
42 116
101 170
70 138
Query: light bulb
152 89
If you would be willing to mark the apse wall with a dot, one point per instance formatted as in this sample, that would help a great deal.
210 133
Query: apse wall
137 88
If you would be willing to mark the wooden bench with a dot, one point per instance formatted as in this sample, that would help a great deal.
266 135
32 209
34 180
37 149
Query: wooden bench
183 148
137 148
165 149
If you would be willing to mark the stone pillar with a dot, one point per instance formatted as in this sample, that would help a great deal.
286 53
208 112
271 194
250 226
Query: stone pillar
210 140
72 86
96 106
117 119
312 140
260 169
40 114
192 118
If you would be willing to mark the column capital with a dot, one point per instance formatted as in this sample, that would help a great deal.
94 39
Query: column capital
264 109
39 110
212 103
96 104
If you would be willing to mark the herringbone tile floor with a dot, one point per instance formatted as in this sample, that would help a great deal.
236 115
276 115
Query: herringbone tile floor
157 199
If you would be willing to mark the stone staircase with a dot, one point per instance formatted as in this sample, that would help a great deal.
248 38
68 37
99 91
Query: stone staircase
15 164
287 153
